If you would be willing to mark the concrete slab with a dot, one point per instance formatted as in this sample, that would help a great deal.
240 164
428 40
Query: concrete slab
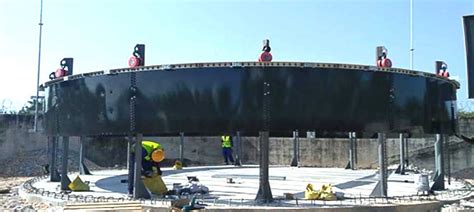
354 183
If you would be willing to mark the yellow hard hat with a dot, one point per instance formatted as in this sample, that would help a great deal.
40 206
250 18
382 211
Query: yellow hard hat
158 155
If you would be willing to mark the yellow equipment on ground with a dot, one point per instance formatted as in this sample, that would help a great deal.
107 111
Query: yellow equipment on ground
78 185
155 184
178 165
325 193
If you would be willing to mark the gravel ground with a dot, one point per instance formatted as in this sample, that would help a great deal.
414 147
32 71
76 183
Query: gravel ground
17 170
463 205
9 199
31 164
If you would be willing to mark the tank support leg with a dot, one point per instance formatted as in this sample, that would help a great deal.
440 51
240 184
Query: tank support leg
352 151
238 152
181 147
83 170
264 191
130 165
54 174
380 189
65 181
296 149
139 188
438 178
401 167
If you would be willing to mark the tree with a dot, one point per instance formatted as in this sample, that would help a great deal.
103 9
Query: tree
29 108
5 107
465 114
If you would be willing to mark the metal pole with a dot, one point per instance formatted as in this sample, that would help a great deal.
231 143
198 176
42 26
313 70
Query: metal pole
294 161
238 161
139 188
54 175
35 127
351 151
64 178
382 164
297 146
264 191
130 165
407 156
439 164
411 36
402 153
181 147
354 138
82 167
448 162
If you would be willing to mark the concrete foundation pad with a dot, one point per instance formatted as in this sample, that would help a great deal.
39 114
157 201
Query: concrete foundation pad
240 194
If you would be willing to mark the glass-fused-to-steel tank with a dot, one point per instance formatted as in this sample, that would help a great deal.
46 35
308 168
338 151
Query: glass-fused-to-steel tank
279 97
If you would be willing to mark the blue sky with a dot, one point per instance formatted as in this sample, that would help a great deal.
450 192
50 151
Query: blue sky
100 34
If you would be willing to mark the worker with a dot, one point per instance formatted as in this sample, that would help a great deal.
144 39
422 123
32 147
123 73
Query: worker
226 143
152 155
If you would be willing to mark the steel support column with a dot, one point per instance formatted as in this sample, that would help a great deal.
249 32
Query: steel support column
407 156
83 170
401 167
296 149
181 147
438 178
64 178
352 151
264 191
448 158
354 138
130 165
380 189
238 161
139 188
54 175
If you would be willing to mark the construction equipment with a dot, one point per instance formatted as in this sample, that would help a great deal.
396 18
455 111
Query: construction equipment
66 69
155 184
381 57
138 56
325 193
78 185
266 56
441 69
178 165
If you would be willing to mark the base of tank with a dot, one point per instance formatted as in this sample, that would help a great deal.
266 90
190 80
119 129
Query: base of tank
109 187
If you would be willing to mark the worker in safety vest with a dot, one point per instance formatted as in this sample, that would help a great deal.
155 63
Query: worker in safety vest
152 155
226 143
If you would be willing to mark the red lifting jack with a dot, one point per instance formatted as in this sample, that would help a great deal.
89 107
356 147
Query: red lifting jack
381 57
138 56
66 69
441 69
266 56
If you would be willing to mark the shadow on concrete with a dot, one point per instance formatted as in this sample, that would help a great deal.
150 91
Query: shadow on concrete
358 182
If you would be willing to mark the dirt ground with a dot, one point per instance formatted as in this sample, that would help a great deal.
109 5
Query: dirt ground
9 199
15 171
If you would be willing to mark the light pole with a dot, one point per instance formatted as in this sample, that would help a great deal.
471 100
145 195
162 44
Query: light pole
35 129
411 35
